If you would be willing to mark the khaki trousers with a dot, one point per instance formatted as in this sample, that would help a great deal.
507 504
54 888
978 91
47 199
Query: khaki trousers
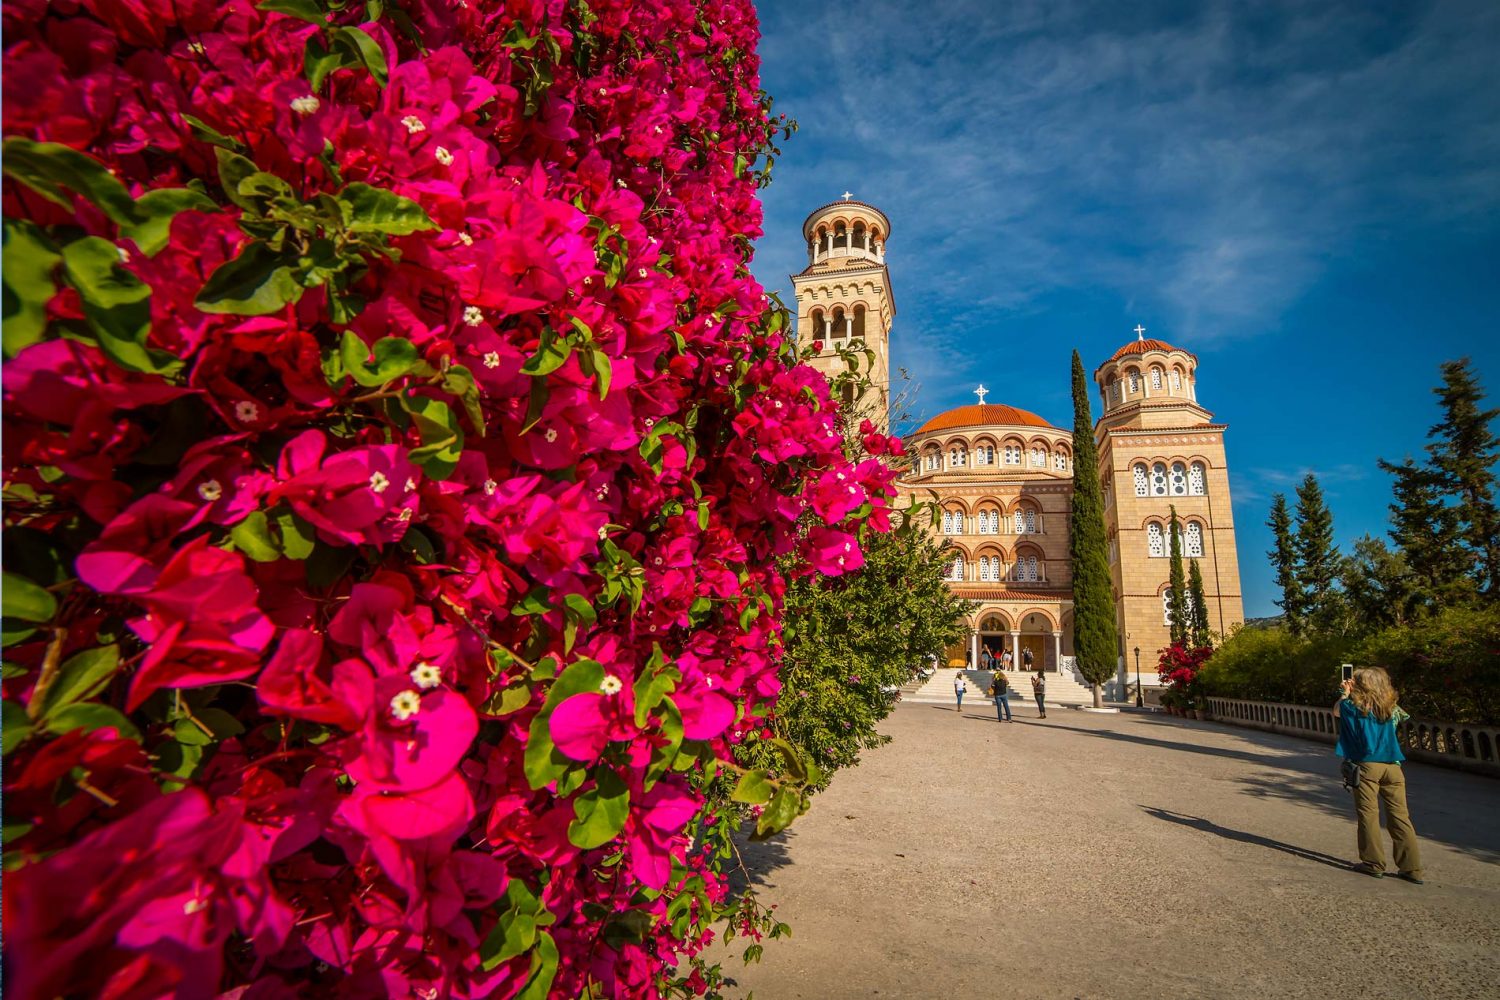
1385 783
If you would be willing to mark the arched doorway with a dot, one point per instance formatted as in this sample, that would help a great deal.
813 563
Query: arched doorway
994 632
1036 635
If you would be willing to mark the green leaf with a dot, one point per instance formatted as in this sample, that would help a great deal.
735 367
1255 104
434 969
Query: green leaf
394 357
50 169
536 404
252 536
206 133
154 212
25 600
190 734
600 812
116 304
376 210
15 831
460 382
543 763
307 10
543 969
551 352
778 814
28 262
650 689
90 716
442 438
257 282
365 49
15 726
514 932
791 759
511 698
603 371
753 788
297 536
221 722
12 632
234 168
318 61
82 677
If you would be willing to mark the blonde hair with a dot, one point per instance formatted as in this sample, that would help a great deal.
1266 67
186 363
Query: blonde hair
1372 692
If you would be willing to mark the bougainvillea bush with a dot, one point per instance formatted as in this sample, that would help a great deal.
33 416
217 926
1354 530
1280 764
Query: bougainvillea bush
402 470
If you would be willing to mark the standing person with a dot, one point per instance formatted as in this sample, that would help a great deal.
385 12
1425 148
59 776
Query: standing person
1026 658
960 685
1039 690
984 658
1000 691
1005 659
1367 738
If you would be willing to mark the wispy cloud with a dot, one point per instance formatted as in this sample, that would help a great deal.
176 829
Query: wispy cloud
1203 170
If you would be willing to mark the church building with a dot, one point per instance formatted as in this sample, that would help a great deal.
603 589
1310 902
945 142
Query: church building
1002 477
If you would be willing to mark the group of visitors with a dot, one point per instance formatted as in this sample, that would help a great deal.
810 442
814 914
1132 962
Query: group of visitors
999 690
989 661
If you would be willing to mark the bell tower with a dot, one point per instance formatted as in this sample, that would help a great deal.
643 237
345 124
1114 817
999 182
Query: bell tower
844 294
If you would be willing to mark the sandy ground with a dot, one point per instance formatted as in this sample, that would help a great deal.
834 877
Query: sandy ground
1117 856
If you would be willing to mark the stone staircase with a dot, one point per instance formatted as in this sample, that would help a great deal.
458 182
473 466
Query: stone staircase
1062 689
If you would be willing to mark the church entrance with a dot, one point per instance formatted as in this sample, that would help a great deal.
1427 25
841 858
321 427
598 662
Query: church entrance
1036 637
994 635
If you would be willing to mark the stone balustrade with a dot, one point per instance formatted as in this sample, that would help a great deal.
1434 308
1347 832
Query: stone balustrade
1449 744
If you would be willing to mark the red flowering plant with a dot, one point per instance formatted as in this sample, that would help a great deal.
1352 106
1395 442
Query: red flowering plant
1178 666
403 472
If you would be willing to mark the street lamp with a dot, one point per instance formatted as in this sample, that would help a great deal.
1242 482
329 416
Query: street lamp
1139 701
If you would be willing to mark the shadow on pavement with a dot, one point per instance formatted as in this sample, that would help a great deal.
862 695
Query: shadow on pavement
1209 826
762 857
1447 806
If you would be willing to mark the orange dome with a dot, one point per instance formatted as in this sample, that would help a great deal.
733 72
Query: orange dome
976 414
1149 344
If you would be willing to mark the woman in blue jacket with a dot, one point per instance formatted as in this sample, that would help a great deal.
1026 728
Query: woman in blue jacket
1367 737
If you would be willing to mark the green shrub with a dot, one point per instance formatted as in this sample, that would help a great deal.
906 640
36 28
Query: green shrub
1274 665
1444 667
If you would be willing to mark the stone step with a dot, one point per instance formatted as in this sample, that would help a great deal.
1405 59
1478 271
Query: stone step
1062 689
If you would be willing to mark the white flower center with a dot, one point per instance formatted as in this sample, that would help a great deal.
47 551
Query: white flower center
466 239
305 105
378 482
246 411
414 124
406 704
490 486
473 315
443 156
610 685
210 490
492 359
426 676
551 435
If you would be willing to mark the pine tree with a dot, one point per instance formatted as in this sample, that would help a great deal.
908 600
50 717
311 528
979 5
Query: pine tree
1177 599
1197 606
1093 600
1464 453
1427 534
1379 585
1284 559
1317 557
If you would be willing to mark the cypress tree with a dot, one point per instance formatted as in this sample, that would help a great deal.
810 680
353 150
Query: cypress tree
1427 534
1464 451
1318 560
1198 606
1284 559
1093 601
1177 599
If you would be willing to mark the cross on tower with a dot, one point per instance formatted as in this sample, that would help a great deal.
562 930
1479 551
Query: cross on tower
848 195
981 392
1140 332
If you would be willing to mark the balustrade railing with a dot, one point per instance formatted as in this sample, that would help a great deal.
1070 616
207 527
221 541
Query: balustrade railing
1450 744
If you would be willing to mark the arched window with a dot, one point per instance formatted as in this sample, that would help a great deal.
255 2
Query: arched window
958 457
991 522
1156 379
1030 521
1166 606
1039 457
1060 462
1031 573
1197 480
1140 479
984 455
1193 545
956 568
1012 454
1135 382
1158 480
953 522
1176 379
1155 540
989 569
1179 479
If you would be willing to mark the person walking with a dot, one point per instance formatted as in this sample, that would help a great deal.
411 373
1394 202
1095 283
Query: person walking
1039 691
1026 658
960 685
1367 716
1000 691
1005 659
984 658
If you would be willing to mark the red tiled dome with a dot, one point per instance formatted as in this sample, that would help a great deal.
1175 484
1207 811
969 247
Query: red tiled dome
1142 346
975 414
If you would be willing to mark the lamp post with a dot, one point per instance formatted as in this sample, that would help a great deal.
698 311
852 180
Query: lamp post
1139 701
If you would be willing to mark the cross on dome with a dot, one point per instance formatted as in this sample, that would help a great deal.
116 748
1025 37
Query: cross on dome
848 195
1140 332
981 392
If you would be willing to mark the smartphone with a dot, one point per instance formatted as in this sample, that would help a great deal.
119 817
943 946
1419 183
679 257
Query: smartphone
1348 672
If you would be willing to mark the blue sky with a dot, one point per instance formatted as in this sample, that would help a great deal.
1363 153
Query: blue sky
1306 195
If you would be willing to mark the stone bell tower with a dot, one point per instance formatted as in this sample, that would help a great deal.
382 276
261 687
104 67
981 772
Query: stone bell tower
844 294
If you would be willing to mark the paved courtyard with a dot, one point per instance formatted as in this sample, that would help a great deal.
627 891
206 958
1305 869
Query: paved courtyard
1117 856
